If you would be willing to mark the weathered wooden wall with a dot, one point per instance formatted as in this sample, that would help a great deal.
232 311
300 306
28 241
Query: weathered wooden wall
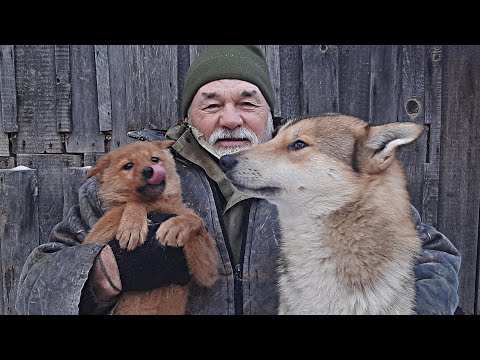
63 106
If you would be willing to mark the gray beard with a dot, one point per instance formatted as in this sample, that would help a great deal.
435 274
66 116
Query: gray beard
239 133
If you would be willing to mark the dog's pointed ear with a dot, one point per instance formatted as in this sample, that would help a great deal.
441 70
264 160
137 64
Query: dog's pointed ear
164 144
99 166
383 140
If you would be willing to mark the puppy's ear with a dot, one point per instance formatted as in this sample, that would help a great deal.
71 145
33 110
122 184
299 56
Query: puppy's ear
163 144
99 166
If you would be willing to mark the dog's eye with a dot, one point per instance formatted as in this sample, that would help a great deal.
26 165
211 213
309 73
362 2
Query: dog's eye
128 166
155 159
297 145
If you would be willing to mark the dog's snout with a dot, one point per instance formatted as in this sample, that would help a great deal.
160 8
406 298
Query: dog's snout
228 162
147 172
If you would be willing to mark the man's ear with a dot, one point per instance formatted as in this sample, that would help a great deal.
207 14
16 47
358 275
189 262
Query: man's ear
99 166
164 144
383 140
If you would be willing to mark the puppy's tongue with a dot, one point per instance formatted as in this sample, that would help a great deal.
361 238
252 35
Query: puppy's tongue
158 177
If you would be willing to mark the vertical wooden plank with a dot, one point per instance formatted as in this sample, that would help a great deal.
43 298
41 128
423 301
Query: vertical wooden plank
7 162
63 89
85 136
35 76
18 229
433 121
8 98
272 55
320 79
73 178
183 64
151 87
103 88
4 143
354 80
459 195
8 88
290 80
4 140
50 184
385 83
117 66
412 108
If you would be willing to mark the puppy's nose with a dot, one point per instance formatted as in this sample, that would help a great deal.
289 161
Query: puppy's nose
147 172
228 162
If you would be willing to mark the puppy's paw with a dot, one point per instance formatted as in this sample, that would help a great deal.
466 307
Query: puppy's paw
179 230
130 235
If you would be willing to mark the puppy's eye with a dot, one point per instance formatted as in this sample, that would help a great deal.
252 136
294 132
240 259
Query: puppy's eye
297 145
128 166
155 159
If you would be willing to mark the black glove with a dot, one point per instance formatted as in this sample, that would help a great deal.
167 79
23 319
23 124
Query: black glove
151 265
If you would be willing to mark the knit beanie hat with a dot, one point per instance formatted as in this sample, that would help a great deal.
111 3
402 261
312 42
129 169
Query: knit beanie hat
241 62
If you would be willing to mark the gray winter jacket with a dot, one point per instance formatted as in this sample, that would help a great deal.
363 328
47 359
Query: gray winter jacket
55 273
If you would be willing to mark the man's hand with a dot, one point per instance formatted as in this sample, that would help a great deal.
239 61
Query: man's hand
105 277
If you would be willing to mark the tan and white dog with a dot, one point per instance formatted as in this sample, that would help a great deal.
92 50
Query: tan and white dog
348 241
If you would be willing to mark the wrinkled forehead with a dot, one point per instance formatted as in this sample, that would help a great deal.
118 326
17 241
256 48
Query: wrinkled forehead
230 86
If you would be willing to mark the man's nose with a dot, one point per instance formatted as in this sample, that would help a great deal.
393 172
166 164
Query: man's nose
230 117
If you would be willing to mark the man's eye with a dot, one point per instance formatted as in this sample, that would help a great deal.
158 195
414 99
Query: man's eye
128 166
246 103
297 145
155 159
211 106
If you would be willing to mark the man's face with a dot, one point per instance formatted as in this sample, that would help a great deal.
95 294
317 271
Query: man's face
232 114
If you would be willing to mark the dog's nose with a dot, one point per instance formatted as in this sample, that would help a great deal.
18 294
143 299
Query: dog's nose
228 162
147 172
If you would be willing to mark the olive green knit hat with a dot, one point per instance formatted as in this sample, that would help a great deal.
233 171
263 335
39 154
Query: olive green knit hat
242 62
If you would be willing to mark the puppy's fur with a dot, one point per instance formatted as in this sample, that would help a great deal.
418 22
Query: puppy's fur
134 180
348 241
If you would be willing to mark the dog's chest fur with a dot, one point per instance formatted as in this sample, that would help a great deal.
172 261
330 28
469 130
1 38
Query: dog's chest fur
316 278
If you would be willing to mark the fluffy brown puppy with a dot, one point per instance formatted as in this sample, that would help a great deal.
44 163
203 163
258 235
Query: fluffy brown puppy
136 179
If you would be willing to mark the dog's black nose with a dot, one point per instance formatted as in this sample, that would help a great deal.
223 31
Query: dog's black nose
147 172
228 162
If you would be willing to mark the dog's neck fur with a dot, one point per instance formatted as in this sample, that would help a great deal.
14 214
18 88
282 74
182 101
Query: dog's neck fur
348 250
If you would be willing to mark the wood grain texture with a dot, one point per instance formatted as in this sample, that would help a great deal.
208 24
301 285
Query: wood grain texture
290 80
103 88
183 63
320 79
151 87
35 79
63 89
459 195
433 121
19 230
50 184
8 88
412 108
354 80
117 65
85 136
4 143
385 83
